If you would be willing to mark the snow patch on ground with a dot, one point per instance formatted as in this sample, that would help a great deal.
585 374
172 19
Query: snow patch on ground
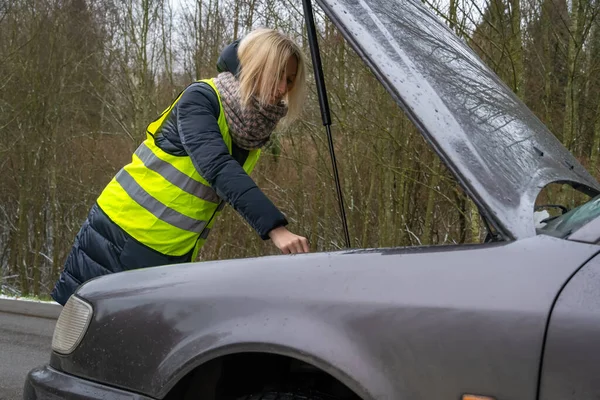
5 297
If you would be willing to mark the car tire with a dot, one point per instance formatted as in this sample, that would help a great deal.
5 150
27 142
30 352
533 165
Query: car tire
286 396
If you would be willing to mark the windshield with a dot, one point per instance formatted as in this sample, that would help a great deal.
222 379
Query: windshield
563 225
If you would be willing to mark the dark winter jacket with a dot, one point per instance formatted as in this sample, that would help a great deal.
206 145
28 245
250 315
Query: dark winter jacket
101 247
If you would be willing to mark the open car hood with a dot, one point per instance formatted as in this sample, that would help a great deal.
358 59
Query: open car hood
499 151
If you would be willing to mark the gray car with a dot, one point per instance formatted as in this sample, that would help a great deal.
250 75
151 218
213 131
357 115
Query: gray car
516 317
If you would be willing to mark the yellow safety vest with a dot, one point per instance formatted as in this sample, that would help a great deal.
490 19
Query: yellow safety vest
161 200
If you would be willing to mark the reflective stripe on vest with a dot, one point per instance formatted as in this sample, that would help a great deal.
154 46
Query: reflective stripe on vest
174 176
137 193
161 200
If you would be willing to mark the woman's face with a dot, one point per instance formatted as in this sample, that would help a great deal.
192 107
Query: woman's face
286 80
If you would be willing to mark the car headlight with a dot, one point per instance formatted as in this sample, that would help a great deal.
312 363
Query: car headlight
71 325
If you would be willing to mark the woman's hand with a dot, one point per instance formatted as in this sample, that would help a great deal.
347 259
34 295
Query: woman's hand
288 242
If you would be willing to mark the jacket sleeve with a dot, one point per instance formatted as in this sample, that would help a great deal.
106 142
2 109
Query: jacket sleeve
201 138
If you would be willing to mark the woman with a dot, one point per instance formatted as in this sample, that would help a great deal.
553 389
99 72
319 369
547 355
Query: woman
198 154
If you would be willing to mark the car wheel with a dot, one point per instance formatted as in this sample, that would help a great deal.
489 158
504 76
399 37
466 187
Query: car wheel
286 396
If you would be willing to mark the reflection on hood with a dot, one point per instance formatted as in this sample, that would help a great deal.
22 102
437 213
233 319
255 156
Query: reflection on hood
500 152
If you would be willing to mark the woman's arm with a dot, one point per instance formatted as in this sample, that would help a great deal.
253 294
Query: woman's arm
201 138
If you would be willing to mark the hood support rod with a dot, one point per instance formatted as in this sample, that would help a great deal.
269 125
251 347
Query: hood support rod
324 105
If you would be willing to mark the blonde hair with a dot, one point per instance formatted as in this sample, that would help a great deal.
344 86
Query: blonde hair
263 55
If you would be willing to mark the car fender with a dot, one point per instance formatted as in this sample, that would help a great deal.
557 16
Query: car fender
288 335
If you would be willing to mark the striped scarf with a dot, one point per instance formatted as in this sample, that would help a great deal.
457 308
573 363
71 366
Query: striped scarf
250 127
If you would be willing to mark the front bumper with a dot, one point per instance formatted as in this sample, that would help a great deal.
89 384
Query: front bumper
46 383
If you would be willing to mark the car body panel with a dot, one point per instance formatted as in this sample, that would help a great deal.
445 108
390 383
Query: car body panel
46 383
389 323
497 148
588 233
571 367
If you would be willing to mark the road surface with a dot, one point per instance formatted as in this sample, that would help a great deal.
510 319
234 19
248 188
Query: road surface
24 344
